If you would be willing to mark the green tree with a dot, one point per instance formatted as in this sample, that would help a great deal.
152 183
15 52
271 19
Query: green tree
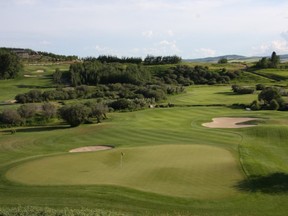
98 110
223 61
10 64
74 114
275 60
57 76
260 86
268 94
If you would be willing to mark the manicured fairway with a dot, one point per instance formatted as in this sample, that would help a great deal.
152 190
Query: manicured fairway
208 95
196 171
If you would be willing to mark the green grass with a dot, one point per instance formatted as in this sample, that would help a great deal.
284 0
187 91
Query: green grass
275 74
209 95
149 130
197 171
213 160
42 80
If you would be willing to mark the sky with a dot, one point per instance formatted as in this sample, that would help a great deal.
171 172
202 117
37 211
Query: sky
187 28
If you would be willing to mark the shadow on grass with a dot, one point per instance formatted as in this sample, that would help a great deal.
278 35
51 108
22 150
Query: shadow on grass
226 93
38 129
32 86
272 184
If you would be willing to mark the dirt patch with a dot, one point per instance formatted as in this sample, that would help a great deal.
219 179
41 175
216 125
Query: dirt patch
91 148
226 122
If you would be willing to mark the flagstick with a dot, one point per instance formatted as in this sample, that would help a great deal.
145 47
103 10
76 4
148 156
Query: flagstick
121 161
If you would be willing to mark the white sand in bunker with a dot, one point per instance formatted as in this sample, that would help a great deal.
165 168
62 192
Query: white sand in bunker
90 149
227 122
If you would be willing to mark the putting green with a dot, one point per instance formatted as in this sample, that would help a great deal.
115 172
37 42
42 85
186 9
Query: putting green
196 171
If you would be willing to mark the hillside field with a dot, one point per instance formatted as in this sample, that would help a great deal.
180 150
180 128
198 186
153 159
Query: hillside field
171 164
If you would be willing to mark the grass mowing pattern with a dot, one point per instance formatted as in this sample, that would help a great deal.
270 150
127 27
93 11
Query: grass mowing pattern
209 95
276 74
194 171
258 152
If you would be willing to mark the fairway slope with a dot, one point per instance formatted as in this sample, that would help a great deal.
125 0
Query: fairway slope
196 171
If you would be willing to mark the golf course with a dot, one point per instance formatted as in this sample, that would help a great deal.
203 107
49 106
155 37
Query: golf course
200 157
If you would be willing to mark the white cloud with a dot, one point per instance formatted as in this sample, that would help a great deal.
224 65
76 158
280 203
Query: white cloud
170 33
148 34
285 35
205 52
45 42
101 50
163 47
279 46
25 2
169 46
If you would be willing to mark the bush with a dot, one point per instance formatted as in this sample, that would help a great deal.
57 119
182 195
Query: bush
255 105
10 117
27 110
260 87
121 104
223 61
74 114
274 105
49 110
242 90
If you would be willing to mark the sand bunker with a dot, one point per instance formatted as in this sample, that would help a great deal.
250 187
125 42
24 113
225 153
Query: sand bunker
226 122
91 148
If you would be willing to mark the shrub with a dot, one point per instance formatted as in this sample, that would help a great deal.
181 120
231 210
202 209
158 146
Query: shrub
274 105
10 117
74 114
260 87
255 105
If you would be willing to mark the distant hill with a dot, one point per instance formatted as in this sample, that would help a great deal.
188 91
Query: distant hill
233 58
31 56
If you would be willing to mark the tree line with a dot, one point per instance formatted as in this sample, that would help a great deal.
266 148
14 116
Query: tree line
28 114
272 62
148 60
57 57
160 60
198 75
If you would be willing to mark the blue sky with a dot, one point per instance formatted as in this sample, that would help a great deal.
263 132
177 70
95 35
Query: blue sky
188 28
